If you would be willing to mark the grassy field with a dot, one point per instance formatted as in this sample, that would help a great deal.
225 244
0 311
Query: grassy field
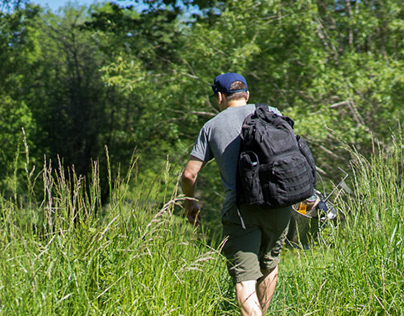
134 256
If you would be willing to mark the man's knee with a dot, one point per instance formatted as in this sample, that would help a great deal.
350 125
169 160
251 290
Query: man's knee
245 288
268 276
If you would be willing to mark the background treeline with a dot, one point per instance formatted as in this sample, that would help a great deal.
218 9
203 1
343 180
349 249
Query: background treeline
87 80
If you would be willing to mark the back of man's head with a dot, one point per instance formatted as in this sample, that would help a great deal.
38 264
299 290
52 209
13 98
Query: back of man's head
237 85
233 85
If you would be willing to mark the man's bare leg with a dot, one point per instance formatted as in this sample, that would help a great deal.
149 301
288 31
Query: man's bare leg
247 298
266 287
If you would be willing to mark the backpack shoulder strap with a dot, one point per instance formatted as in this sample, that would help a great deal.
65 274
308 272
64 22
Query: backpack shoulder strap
261 105
261 108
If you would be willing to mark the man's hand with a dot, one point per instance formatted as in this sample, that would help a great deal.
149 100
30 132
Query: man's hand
193 212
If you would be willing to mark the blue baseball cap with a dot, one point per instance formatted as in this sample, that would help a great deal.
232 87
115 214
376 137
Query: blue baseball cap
223 82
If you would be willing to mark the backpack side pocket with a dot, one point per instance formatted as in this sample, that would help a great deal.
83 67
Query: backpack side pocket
248 168
305 150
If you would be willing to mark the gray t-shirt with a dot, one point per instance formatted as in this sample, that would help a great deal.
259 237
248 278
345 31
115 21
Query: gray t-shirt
219 138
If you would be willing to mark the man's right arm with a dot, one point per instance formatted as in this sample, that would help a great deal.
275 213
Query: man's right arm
188 183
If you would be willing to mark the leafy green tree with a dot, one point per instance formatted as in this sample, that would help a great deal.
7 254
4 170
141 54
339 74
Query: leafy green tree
18 52
143 52
71 104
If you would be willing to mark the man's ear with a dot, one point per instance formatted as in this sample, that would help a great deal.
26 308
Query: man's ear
248 96
220 97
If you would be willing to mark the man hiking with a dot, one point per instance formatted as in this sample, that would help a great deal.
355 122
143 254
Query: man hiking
255 235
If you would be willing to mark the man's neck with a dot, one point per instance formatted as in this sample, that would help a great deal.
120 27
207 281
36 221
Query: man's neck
236 103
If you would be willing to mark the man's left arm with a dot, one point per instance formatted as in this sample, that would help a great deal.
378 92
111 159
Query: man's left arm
188 183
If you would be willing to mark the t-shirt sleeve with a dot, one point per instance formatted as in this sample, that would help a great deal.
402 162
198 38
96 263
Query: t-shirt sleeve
275 110
201 148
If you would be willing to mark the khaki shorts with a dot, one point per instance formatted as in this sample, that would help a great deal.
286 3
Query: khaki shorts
258 246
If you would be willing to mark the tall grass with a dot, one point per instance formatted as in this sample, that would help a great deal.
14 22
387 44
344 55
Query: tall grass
70 255
357 268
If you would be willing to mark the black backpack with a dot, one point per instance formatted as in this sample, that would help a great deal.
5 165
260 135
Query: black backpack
276 167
